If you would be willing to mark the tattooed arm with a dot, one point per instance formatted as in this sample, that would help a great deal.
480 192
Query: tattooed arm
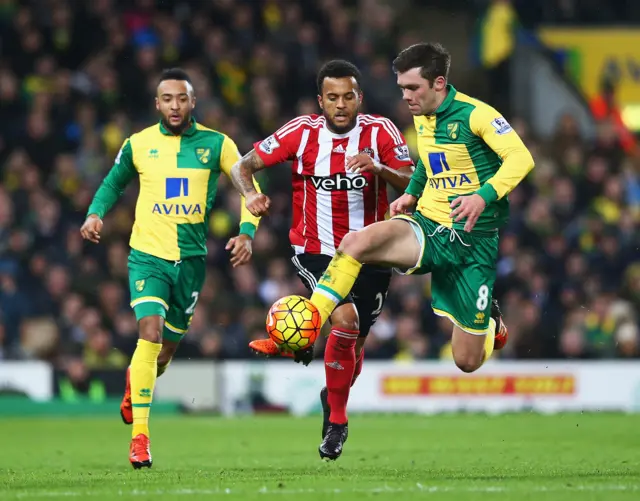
243 170
242 177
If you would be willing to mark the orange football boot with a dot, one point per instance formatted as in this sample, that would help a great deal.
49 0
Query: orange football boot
502 333
126 411
140 452
268 348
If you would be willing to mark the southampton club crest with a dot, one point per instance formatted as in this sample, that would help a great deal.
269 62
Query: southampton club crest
203 155
368 151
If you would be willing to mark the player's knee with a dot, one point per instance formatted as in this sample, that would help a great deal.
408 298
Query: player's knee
467 362
150 329
345 317
354 245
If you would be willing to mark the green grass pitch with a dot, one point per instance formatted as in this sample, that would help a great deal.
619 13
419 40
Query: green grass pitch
448 457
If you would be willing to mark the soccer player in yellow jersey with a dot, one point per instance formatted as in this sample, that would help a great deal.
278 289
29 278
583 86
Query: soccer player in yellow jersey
178 162
470 159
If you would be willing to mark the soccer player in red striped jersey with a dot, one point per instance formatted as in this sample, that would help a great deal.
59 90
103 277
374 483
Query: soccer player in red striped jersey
342 162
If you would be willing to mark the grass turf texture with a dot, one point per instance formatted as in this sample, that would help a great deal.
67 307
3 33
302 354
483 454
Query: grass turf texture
449 457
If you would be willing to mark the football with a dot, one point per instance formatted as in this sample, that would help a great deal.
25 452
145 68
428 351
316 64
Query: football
293 323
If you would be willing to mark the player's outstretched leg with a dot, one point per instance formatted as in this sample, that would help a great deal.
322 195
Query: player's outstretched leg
164 359
392 243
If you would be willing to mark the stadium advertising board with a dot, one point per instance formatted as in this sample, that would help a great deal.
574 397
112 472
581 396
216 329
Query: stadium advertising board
33 379
431 387
589 53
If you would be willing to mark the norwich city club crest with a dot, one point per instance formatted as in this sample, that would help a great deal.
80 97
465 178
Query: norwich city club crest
139 285
203 155
453 130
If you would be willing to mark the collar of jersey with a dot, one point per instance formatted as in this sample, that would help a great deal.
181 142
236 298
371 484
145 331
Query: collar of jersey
335 135
189 132
451 95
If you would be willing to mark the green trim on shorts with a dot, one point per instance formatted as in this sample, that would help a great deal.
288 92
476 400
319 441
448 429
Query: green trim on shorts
469 330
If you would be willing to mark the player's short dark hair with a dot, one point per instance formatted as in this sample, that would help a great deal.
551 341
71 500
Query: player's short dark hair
432 59
338 68
174 74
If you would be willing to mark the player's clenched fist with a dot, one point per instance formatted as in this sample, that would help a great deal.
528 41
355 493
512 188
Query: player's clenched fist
91 229
258 204
403 205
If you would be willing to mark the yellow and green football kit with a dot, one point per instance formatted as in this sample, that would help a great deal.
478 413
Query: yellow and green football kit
178 183
465 147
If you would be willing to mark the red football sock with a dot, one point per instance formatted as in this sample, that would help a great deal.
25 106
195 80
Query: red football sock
339 366
358 370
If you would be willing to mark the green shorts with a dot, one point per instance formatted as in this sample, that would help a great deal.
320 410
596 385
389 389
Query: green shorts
166 288
463 271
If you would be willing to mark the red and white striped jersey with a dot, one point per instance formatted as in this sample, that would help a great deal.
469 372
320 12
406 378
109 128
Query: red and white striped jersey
328 201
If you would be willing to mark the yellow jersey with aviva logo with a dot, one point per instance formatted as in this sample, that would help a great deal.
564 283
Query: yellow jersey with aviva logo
467 147
178 184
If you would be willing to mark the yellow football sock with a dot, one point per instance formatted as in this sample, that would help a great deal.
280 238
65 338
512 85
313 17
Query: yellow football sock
144 370
335 284
162 368
489 340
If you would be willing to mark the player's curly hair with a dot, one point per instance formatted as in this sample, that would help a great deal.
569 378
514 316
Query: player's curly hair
432 59
174 74
338 68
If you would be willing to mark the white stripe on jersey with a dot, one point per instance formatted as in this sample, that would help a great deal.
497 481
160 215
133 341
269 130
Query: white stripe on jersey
301 147
324 207
304 211
388 125
292 125
295 124
376 157
355 197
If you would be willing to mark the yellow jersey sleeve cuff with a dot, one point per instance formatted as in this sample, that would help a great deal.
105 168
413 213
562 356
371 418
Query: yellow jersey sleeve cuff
248 229
488 193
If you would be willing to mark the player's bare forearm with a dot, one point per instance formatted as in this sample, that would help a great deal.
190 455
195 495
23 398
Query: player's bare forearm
242 172
399 179
362 162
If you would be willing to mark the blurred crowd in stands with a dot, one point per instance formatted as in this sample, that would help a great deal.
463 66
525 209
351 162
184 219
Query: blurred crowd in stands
77 78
